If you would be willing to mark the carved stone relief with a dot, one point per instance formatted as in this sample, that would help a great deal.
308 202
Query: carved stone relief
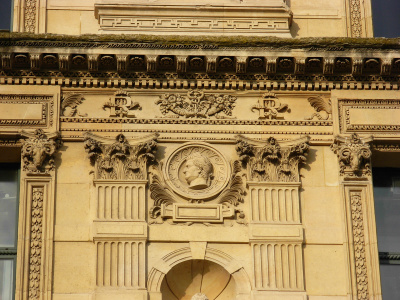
270 107
35 258
354 155
38 150
323 108
121 105
118 159
193 174
270 161
69 105
196 104
197 171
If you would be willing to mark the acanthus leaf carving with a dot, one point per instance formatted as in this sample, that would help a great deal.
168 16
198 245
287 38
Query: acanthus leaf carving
270 161
234 195
196 104
354 155
270 107
118 159
159 192
38 151
323 109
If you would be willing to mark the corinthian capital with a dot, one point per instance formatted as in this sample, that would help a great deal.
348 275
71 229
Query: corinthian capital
270 161
119 159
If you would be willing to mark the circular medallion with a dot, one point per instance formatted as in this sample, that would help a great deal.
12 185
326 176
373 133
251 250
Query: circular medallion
197 171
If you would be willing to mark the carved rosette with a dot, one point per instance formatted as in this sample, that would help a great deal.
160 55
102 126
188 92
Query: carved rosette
38 151
354 155
118 159
196 104
270 161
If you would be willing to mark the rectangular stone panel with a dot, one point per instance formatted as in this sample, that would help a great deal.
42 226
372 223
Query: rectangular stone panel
119 229
190 212
29 107
276 232
369 115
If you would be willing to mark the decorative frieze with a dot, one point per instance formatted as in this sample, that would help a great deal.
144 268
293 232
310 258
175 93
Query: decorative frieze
38 151
354 155
118 159
270 161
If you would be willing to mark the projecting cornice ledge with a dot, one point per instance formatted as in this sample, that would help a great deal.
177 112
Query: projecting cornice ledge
195 42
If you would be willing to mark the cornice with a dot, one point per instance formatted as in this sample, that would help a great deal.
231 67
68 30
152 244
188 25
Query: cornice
195 42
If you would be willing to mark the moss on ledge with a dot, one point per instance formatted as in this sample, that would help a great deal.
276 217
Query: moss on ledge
212 41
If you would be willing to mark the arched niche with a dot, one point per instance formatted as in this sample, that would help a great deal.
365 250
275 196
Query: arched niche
216 261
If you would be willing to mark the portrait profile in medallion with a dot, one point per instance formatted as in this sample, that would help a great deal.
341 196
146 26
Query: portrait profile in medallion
197 171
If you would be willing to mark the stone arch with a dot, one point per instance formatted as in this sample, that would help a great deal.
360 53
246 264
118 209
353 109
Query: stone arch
165 264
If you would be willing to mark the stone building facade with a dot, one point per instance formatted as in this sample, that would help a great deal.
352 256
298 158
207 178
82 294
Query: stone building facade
216 156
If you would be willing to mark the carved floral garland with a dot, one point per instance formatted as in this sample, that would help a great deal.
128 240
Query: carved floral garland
35 257
196 104
359 246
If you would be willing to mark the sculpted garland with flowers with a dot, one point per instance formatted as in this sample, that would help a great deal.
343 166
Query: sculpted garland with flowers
196 104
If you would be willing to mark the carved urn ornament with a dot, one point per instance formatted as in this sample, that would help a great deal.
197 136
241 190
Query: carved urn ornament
354 155
118 159
38 151
271 161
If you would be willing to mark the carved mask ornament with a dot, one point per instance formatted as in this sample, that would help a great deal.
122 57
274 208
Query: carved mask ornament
38 150
354 155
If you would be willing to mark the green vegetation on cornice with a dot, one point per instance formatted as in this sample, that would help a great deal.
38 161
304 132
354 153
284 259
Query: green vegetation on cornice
213 41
